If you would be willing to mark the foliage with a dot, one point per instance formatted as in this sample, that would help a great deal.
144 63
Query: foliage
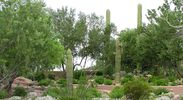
126 79
137 90
107 82
80 93
117 92
78 74
3 94
160 91
39 76
19 91
51 76
158 81
27 40
62 81
44 82
99 79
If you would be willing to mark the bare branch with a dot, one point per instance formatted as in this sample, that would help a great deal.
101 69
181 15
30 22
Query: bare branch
176 27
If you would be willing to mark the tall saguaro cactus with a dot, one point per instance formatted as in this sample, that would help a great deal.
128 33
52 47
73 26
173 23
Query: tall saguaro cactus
108 17
69 72
139 16
117 61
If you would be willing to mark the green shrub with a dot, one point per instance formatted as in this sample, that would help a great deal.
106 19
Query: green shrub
117 92
75 81
3 94
99 79
54 92
44 82
99 73
126 79
51 76
85 93
158 81
137 90
160 91
107 82
62 82
78 74
19 91
39 76
82 80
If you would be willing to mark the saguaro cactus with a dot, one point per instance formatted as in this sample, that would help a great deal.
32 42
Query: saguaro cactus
69 72
139 16
108 17
117 61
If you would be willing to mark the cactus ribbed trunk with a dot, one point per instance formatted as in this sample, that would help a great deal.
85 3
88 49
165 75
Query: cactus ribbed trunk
106 49
69 72
117 61
108 17
139 16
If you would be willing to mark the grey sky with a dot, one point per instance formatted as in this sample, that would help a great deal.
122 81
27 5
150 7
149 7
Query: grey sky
123 12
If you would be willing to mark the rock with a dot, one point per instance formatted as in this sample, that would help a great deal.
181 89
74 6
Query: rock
21 81
32 94
15 98
45 98
163 98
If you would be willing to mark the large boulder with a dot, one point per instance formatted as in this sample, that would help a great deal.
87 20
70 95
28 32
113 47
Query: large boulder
22 82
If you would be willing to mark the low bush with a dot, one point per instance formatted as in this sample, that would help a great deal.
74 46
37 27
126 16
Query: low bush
126 79
62 82
54 92
44 82
107 82
19 91
3 94
137 90
158 81
82 80
99 79
85 93
117 92
51 76
160 91
78 74
99 73
39 76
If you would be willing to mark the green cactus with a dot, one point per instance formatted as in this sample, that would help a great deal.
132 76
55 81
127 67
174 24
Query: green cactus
139 16
117 61
108 17
69 72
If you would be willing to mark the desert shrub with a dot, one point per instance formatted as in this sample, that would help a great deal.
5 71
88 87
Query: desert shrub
75 81
3 94
99 79
160 91
44 82
78 74
19 91
51 76
107 82
137 90
62 82
53 91
82 80
126 79
99 73
158 81
39 76
86 93
117 92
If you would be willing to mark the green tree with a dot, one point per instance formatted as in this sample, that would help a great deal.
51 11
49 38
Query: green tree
27 41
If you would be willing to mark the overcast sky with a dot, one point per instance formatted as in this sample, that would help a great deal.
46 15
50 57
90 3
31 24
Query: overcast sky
123 12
